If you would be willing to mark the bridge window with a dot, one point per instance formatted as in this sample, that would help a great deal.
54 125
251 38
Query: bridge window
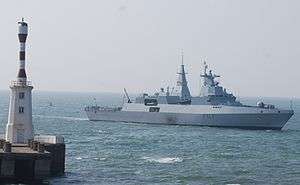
21 95
150 102
21 110
154 109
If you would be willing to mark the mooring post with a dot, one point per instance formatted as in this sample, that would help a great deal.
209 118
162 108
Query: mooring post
35 145
29 142
41 148
2 141
7 147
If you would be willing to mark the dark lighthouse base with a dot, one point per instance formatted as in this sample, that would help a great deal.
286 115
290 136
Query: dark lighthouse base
34 161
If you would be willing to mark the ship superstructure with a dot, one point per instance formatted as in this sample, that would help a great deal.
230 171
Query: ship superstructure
211 93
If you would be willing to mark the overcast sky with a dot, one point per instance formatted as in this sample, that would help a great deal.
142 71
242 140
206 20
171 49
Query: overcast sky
105 45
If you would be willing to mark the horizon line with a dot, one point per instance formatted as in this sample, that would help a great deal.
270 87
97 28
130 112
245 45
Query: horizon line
136 93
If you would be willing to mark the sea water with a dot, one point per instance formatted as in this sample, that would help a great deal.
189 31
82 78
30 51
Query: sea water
129 153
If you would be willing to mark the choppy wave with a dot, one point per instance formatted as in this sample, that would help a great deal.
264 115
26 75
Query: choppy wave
163 160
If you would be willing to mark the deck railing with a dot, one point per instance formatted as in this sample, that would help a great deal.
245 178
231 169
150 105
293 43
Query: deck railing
20 83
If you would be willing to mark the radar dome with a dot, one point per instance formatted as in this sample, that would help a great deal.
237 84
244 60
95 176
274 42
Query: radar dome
260 104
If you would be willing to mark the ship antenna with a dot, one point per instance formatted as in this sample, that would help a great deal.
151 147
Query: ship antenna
291 104
205 66
182 56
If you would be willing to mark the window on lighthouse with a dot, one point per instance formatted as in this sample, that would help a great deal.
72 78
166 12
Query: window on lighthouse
21 110
21 95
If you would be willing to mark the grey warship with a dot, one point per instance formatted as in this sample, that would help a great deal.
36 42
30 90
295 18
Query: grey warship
213 107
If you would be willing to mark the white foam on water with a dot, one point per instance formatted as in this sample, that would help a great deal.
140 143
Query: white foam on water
102 132
138 172
99 159
78 158
163 160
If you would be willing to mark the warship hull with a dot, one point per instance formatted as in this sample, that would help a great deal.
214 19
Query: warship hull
274 120
213 107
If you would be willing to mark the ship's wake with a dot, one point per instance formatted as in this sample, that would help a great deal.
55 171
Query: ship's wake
69 118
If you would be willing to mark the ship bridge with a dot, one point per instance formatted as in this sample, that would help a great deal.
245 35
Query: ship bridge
211 92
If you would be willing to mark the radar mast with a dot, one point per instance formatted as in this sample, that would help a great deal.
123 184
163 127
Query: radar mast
182 88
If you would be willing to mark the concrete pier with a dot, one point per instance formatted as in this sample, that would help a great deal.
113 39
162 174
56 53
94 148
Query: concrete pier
36 160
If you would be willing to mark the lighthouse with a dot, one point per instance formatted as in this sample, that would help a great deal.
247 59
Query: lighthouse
19 128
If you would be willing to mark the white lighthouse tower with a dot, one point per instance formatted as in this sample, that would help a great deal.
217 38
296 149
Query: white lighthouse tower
19 128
